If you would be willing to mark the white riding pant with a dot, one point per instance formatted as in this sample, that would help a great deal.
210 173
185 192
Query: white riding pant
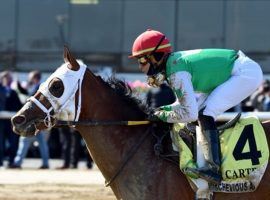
246 78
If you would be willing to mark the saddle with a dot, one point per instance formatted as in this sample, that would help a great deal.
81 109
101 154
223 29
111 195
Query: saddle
162 131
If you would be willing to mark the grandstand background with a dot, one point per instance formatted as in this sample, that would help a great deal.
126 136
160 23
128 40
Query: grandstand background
101 32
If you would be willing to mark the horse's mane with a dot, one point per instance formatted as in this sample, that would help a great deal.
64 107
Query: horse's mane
122 89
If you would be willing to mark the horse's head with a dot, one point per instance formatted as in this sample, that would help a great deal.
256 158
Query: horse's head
58 97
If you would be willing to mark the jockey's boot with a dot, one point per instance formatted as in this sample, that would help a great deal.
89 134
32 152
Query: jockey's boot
211 150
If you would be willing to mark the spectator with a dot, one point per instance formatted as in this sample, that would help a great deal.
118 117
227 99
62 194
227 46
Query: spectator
33 84
266 99
70 140
2 106
25 142
12 103
257 99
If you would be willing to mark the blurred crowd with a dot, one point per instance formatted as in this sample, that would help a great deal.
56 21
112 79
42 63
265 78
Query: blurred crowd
67 143
64 143
259 100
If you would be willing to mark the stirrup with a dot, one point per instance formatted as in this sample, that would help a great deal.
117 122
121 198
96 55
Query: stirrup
206 173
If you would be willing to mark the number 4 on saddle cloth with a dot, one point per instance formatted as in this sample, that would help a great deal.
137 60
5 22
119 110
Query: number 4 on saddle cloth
244 157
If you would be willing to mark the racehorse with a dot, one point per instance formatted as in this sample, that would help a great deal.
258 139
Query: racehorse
123 153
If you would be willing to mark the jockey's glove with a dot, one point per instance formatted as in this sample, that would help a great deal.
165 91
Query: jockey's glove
162 115
153 118
167 116
163 112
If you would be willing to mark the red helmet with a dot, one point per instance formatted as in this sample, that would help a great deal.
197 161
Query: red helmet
149 41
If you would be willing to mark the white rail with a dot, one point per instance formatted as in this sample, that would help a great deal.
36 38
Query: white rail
224 117
229 115
6 114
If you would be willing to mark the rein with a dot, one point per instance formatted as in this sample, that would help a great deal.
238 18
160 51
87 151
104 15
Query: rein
99 123
131 153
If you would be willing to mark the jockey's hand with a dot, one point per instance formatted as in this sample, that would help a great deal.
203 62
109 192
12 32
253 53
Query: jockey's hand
166 115
153 118
161 115
162 112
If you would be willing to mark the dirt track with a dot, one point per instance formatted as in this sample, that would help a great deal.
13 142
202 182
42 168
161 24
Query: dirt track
55 192
30 183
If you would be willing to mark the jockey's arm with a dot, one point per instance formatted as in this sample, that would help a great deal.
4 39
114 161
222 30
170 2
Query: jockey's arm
185 108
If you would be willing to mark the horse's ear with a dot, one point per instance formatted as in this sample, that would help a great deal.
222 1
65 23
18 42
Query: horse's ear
74 65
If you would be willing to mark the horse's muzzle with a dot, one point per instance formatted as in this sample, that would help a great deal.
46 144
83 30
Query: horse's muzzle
21 127
18 120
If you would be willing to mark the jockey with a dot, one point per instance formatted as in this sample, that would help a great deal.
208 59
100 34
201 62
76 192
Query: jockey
206 82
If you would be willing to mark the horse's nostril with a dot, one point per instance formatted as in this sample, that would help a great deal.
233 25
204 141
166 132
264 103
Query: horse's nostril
20 119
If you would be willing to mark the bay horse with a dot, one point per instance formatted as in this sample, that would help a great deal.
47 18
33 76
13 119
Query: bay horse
124 154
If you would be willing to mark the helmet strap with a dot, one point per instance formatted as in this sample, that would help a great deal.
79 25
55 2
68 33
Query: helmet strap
157 66
156 70
159 43
156 73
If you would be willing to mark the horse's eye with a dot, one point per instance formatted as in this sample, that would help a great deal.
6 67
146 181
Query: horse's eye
56 87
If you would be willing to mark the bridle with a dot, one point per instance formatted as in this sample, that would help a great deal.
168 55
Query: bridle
55 107
50 120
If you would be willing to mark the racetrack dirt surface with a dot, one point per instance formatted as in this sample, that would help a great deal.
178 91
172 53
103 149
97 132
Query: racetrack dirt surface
30 183
55 192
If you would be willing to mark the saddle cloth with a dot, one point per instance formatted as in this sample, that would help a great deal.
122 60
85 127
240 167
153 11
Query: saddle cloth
244 157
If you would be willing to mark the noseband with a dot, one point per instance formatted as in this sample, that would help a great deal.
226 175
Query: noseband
48 119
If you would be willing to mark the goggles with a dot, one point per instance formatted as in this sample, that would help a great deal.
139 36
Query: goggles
146 58
143 60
